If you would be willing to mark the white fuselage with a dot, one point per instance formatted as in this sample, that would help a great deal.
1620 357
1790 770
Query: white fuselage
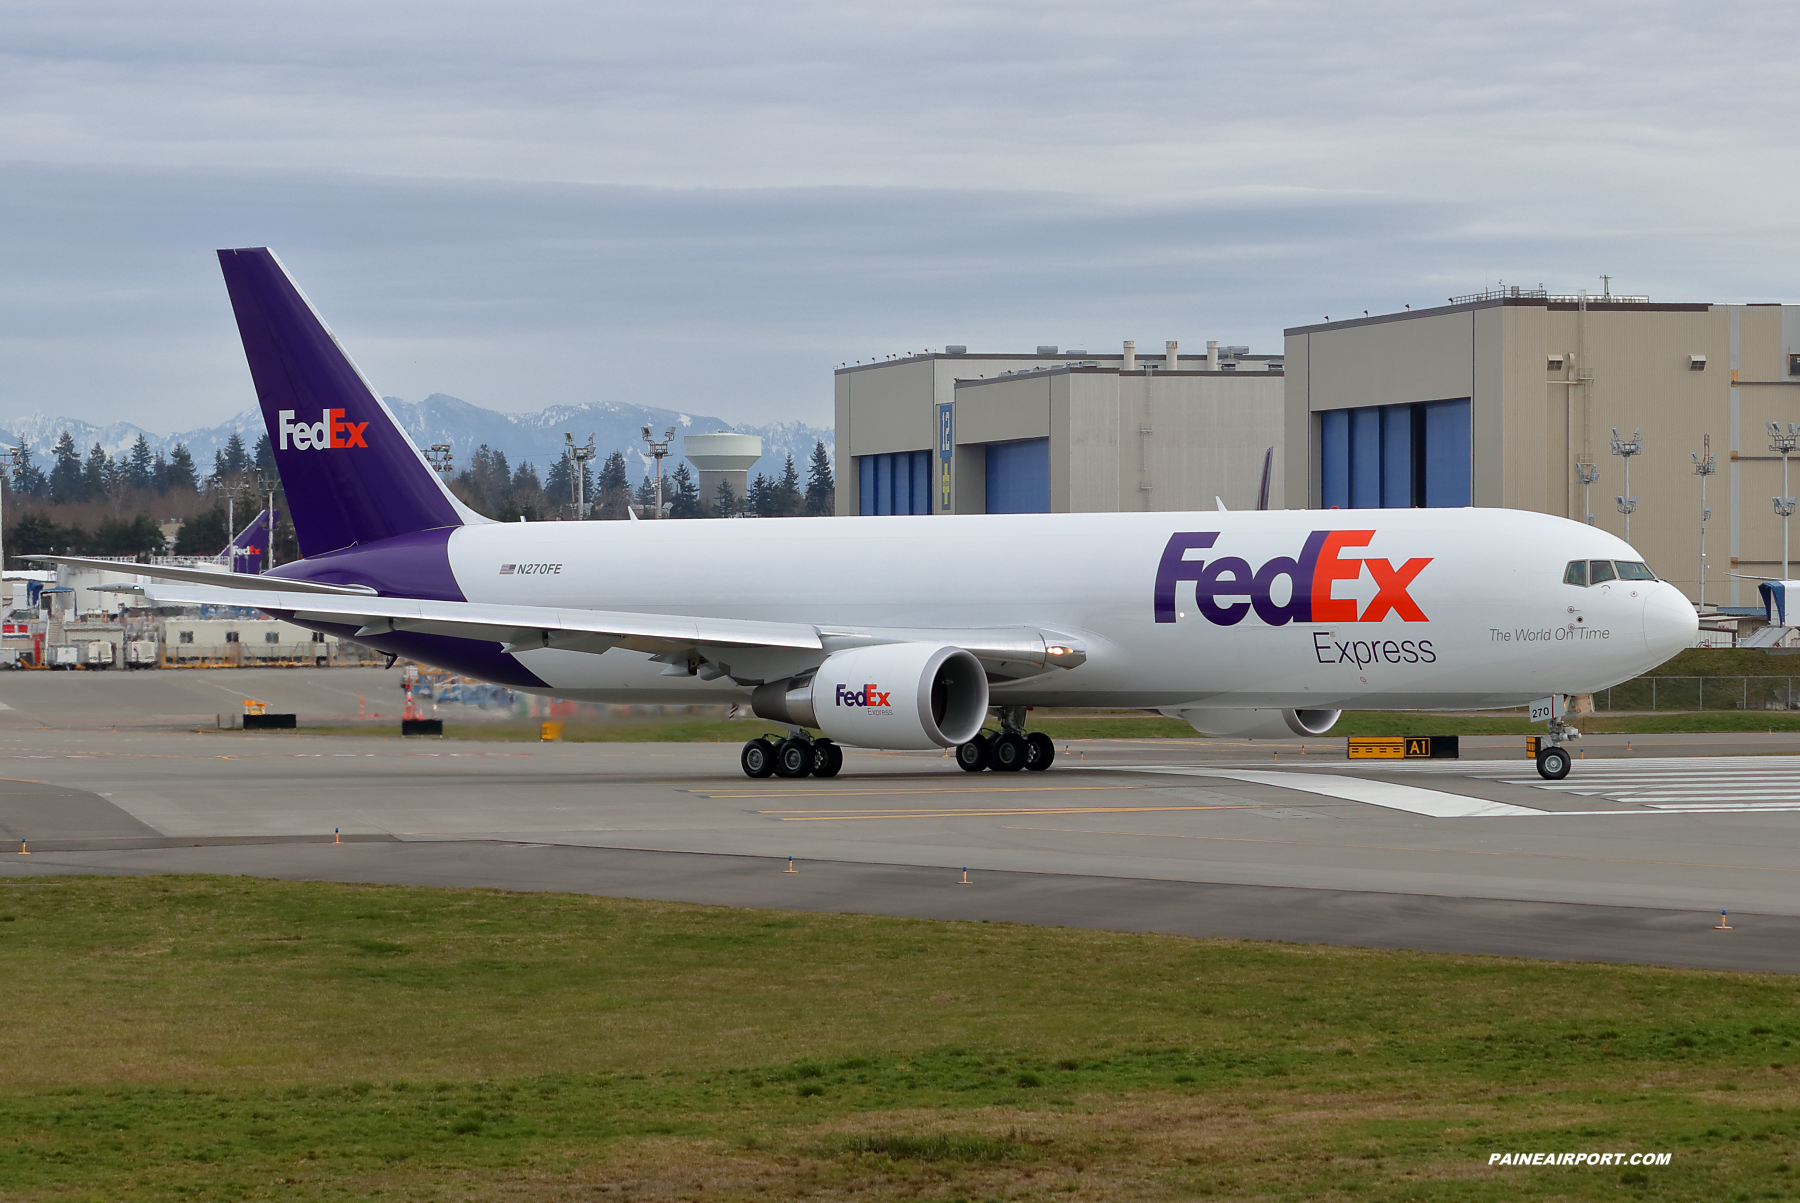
1492 623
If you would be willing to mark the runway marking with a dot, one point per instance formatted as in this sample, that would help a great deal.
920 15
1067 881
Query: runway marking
1433 803
789 816
1230 839
877 793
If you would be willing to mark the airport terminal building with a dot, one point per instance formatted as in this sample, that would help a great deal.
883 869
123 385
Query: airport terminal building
1510 398
1057 431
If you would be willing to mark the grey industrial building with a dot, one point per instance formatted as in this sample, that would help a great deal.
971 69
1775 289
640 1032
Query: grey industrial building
1510 398
1057 431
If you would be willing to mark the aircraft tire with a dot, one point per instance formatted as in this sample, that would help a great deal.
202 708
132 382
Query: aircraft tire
1040 751
827 759
972 757
793 757
1009 753
757 758
1553 763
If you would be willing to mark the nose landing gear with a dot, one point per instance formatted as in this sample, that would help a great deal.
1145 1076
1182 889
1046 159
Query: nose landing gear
1553 760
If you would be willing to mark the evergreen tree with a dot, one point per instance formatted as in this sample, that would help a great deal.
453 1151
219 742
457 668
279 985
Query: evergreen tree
615 488
264 457
646 497
787 490
65 472
36 534
525 496
725 500
140 466
821 489
204 534
159 474
116 537
93 473
28 480
684 501
231 459
182 476
761 497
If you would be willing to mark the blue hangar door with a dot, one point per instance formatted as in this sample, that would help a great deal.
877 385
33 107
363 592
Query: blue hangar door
1018 477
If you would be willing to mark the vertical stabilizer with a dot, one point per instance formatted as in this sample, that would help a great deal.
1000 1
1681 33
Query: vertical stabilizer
350 472
247 550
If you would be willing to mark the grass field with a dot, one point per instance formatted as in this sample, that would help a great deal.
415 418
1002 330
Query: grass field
226 1038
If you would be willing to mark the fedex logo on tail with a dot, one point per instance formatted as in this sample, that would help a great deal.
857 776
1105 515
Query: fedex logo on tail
330 431
868 696
1226 589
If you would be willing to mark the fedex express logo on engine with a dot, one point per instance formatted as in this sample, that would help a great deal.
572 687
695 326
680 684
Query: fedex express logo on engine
330 431
868 696
1227 588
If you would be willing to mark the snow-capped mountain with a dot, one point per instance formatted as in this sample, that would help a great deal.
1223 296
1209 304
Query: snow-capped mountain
440 418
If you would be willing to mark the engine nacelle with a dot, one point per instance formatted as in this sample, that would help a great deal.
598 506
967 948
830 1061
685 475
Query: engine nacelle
892 695
1259 724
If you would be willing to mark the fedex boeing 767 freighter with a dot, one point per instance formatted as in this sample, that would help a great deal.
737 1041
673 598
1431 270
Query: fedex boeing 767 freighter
905 632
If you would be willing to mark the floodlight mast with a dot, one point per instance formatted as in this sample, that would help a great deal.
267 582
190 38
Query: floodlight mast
1587 472
1782 443
1625 449
14 458
439 457
579 455
1704 466
657 451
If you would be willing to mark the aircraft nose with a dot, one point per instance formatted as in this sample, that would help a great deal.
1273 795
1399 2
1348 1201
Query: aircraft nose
1670 623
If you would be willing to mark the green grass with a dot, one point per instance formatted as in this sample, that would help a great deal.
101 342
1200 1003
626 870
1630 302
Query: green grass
215 1038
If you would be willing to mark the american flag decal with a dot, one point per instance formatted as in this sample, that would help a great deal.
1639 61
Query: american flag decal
507 569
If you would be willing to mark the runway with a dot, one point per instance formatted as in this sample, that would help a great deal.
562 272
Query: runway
1631 858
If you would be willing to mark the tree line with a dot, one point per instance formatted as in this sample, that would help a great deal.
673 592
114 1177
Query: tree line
490 486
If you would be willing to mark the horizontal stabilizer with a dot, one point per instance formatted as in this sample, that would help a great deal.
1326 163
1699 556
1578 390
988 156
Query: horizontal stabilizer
218 578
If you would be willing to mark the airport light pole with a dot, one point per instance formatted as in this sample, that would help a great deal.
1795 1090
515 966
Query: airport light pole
579 455
15 458
439 457
1625 449
1587 472
657 451
1782 443
1704 466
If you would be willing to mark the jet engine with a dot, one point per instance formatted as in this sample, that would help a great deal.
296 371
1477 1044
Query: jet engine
1259 724
892 695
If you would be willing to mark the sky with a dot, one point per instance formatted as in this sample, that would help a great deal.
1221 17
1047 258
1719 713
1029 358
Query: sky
712 206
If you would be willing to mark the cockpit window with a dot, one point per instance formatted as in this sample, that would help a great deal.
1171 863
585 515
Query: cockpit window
1600 571
1632 571
1577 573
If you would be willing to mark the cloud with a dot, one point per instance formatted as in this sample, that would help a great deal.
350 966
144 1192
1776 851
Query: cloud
712 205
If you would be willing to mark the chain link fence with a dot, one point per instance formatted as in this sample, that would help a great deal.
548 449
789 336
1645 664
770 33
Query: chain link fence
1701 693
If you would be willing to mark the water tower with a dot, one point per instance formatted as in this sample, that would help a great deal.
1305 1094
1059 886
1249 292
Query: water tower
723 456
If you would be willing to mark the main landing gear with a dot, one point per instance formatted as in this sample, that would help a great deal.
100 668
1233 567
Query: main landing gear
1009 751
795 756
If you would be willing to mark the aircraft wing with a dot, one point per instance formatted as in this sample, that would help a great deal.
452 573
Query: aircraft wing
516 628
686 643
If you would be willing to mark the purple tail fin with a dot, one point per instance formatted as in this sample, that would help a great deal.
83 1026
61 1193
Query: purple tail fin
350 473
245 553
